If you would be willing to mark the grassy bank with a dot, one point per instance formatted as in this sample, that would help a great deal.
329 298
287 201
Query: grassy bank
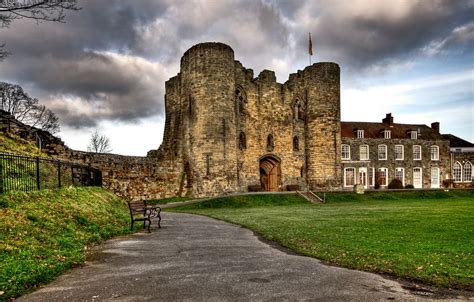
422 236
44 233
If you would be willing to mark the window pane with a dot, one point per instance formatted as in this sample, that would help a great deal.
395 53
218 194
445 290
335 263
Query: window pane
467 175
417 152
457 171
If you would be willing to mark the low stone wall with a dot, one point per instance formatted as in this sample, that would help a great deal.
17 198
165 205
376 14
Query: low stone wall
130 176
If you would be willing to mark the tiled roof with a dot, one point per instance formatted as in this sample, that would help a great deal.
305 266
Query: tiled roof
375 130
455 141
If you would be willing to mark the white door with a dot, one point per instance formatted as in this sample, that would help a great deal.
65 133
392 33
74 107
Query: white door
417 178
363 177
434 177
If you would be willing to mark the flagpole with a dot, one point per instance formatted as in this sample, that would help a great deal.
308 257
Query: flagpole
310 48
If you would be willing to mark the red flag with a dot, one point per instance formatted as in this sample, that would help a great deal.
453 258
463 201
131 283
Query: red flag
310 46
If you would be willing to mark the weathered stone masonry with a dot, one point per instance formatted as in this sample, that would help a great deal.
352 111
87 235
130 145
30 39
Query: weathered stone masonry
229 130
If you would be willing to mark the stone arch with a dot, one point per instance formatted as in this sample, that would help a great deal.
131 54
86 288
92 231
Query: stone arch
270 172
297 108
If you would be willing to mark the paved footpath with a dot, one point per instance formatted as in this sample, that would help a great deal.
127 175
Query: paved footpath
201 259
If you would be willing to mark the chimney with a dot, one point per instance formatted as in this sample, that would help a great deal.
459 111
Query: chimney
388 120
435 126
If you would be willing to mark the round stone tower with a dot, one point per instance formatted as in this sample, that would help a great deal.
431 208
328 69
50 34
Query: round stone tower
207 106
323 126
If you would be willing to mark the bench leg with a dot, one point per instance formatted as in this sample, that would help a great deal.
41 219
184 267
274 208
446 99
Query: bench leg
149 224
159 220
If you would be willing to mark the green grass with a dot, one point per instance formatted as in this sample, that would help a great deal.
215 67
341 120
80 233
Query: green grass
420 236
14 144
44 233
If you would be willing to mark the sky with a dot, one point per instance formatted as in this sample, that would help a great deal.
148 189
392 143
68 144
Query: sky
105 67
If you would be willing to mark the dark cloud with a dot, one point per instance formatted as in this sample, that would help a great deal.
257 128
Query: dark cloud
383 31
110 60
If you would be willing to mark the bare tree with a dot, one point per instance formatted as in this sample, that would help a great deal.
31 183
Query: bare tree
27 109
99 143
39 10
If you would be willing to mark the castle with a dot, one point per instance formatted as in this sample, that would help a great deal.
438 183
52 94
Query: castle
227 131
233 132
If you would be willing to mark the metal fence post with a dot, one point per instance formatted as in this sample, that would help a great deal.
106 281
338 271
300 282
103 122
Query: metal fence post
1 174
38 186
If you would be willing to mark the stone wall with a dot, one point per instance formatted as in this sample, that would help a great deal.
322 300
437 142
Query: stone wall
128 176
220 119
408 163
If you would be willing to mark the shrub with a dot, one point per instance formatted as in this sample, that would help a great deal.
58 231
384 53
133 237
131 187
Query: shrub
293 187
448 183
255 188
395 184
409 186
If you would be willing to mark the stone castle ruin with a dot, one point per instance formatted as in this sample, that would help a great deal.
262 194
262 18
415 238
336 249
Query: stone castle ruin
228 131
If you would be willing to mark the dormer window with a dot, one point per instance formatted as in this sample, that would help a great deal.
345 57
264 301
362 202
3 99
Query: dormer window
414 134
387 134
360 133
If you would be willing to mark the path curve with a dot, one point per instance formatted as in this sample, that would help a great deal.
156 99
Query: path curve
202 259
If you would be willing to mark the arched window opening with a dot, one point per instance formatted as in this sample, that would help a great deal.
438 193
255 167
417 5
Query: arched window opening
467 172
242 141
241 100
298 110
270 143
296 144
457 172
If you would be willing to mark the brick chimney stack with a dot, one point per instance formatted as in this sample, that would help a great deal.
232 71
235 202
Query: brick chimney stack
435 126
388 120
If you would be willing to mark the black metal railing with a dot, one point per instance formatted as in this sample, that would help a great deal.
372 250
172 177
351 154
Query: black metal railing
26 173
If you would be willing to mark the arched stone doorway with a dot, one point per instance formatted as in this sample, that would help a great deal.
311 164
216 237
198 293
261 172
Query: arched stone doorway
270 173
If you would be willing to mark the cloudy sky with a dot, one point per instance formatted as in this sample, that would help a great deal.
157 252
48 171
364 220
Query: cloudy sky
106 66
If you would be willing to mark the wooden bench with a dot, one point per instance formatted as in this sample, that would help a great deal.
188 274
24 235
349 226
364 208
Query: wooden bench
140 211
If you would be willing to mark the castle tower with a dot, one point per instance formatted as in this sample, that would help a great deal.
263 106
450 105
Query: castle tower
207 90
323 127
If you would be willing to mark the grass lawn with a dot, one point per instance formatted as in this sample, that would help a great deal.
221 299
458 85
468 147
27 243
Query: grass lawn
46 232
421 236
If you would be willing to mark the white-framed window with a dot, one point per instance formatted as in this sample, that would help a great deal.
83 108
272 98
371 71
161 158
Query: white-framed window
349 177
398 152
387 134
434 150
457 172
360 133
467 172
382 151
416 152
364 152
417 178
414 134
382 176
400 175
346 152
371 176
363 177
434 177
